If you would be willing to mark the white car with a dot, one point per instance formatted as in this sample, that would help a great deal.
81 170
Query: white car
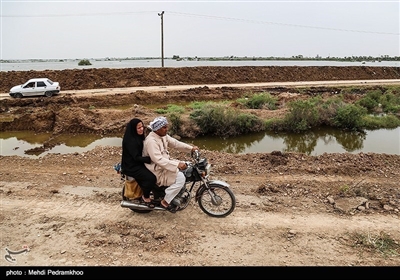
35 87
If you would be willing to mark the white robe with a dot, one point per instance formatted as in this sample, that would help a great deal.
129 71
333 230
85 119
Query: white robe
162 166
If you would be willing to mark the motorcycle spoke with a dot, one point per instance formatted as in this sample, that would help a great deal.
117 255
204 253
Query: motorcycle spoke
222 204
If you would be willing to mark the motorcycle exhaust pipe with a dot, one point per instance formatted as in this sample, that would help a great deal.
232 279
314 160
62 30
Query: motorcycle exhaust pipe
133 205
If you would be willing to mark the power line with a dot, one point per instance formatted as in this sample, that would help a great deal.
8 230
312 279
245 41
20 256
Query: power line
76 15
203 16
284 24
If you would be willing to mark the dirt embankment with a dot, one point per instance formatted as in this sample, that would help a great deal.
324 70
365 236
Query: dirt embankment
79 79
70 113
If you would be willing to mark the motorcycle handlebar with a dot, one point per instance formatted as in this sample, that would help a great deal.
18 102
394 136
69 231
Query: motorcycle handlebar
196 154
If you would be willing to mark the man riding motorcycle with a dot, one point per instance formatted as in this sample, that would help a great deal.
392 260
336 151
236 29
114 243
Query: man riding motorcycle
167 170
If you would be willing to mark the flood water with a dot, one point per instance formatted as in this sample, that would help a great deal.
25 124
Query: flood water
317 142
135 63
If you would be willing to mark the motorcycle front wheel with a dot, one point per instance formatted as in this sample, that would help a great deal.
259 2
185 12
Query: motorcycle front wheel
218 201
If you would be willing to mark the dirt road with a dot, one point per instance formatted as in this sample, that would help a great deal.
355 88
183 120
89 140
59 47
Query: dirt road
66 210
108 91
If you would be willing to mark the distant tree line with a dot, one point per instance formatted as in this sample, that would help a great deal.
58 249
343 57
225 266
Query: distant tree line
232 57
301 57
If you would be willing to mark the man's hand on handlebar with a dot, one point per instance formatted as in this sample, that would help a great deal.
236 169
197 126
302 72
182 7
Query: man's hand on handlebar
182 165
195 152
194 148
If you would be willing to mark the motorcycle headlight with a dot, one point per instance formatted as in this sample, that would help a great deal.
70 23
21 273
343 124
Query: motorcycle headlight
202 164
188 172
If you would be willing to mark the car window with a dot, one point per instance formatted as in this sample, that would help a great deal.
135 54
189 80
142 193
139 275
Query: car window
30 85
41 84
50 82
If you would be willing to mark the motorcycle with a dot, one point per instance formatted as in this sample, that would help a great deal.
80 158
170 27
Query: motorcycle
214 197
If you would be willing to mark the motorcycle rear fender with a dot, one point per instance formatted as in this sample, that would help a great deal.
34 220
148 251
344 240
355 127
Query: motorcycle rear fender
210 183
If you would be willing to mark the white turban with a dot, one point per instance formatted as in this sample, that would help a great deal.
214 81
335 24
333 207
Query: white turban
158 123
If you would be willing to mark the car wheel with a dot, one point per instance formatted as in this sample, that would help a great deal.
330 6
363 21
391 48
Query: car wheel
18 95
48 93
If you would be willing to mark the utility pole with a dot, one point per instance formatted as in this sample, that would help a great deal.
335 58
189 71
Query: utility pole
162 38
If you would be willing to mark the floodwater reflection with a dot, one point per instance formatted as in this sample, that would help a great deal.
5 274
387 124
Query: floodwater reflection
316 142
306 143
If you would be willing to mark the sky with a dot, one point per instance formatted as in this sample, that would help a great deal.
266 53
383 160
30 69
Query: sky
124 29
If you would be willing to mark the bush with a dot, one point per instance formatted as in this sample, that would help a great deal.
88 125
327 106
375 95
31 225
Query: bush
218 120
350 117
302 115
84 62
368 103
328 110
175 123
378 122
390 103
259 101
171 109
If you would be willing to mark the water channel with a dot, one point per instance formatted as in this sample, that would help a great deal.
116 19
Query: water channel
316 142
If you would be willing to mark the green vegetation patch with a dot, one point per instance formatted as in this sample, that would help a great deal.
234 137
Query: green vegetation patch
219 120
259 101
382 243
376 109
171 109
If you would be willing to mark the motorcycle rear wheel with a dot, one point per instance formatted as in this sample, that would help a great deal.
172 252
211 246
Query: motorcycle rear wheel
222 205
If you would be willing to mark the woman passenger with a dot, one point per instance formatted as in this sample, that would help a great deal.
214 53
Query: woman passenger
132 163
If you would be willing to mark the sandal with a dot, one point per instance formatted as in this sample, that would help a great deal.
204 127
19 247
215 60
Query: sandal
169 208
149 204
